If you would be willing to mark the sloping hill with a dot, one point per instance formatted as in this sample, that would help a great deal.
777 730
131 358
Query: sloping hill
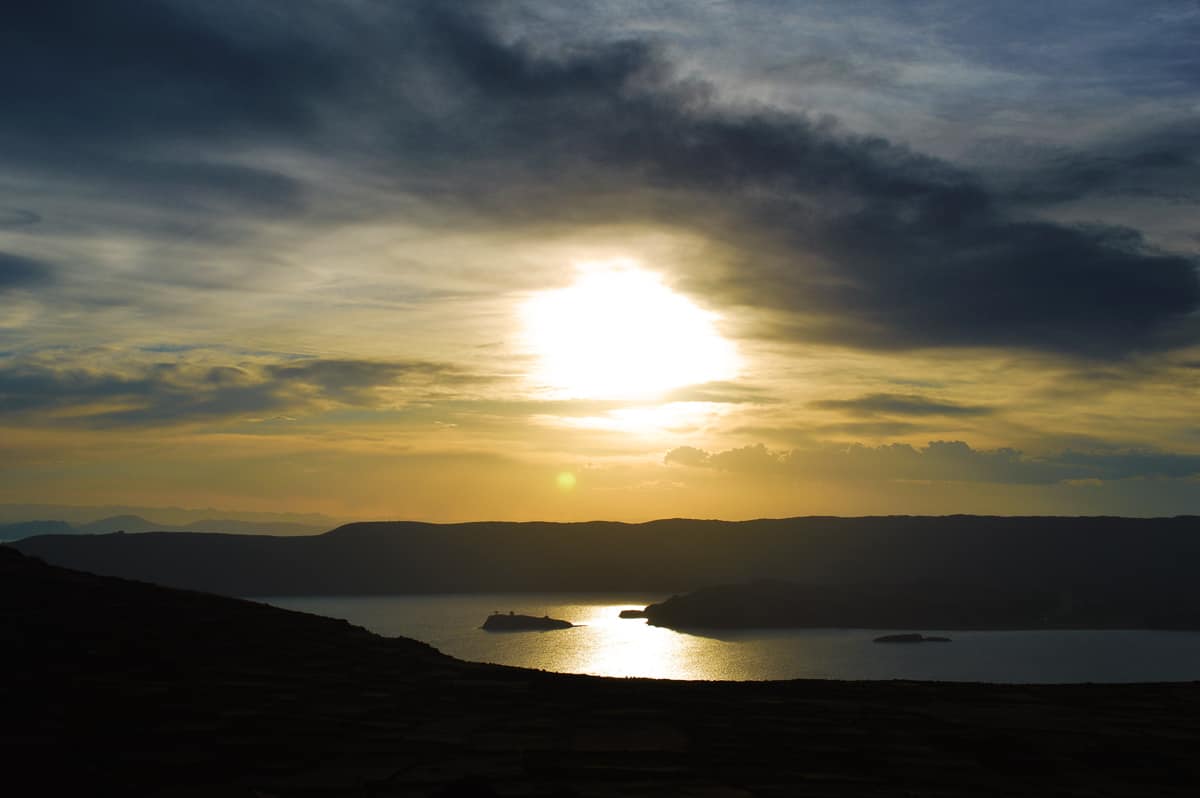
112 687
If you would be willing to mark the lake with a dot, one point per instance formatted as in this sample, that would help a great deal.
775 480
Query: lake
605 645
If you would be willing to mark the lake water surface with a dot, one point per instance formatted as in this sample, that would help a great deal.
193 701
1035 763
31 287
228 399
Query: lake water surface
606 645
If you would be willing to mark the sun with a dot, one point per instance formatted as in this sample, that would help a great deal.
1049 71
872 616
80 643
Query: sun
619 333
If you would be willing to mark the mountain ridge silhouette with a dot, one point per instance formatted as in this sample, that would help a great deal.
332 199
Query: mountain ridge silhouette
1140 568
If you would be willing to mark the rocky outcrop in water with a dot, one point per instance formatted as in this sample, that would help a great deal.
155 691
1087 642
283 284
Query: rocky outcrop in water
512 622
911 638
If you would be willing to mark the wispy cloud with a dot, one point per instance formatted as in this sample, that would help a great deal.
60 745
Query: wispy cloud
901 405
941 461
176 392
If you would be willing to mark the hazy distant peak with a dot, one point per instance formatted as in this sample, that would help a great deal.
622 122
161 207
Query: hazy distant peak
25 529
127 523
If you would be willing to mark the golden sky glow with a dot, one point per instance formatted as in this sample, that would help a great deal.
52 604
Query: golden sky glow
637 260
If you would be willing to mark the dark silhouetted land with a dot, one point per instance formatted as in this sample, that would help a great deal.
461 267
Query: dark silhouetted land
912 637
891 572
122 688
1090 604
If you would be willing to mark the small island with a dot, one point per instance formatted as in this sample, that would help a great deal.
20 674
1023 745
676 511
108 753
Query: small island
911 638
512 622
633 614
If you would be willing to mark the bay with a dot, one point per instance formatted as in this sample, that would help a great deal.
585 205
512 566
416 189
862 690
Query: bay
604 644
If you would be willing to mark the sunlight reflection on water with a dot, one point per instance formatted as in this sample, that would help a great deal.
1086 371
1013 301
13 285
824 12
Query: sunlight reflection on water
604 644
613 646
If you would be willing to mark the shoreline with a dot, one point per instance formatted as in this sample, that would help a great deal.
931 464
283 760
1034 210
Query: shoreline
128 687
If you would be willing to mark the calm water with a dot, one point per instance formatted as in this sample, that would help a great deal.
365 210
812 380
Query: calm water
606 645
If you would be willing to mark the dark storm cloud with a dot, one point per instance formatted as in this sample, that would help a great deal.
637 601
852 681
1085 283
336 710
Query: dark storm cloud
900 405
854 239
1162 163
951 461
149 98
18 217
175 392
871 244
17 271
137 71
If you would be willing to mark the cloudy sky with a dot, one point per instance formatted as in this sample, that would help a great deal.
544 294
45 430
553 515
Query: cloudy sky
559 260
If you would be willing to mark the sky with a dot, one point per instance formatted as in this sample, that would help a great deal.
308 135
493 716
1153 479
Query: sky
622 260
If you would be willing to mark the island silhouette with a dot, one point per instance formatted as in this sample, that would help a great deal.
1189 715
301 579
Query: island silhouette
514 622
912 637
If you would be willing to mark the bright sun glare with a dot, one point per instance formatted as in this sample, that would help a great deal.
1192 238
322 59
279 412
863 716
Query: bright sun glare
619 333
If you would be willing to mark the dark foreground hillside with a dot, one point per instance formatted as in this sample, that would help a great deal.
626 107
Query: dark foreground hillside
116 687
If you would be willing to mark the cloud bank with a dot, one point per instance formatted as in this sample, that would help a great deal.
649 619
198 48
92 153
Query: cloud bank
849 239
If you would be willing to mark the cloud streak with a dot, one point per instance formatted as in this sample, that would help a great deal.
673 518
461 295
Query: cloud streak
941 461
900 405
166 392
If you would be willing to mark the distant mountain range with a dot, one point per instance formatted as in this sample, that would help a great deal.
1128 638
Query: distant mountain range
1143 570
135 523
